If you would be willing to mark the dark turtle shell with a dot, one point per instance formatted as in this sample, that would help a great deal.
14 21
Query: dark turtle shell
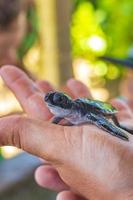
99 106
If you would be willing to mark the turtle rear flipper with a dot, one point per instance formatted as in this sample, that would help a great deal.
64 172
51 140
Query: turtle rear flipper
106 125
127 129
116 122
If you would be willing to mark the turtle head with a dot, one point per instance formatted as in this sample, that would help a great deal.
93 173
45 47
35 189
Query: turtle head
59 103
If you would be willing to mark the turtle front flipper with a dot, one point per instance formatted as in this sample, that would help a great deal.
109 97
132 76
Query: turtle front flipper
106 125
56 120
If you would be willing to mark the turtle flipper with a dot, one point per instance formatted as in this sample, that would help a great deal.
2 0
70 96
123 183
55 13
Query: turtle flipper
127 129
67 123
116 122
106 125
56 120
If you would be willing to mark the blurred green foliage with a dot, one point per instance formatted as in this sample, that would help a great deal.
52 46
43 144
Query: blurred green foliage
112 19
103 27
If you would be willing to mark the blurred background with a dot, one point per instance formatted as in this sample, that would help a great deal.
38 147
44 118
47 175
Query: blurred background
91 40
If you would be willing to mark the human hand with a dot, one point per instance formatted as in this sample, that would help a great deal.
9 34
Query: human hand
84 147
34 106
46 176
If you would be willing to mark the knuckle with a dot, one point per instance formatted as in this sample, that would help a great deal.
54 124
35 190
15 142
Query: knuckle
73 137
15 138
17 79
58 147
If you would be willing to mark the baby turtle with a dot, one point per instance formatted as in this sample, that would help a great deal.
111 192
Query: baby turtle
83 110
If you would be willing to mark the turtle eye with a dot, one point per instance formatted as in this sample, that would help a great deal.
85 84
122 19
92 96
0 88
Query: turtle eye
58 98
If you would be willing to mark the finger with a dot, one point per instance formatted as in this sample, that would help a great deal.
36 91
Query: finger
34 136
78 89
130 103
67 195
127 124
66 90
44 86
48 177
123 108
18 82
26 92
119 104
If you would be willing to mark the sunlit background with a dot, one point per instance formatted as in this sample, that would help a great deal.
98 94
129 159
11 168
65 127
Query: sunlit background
97 28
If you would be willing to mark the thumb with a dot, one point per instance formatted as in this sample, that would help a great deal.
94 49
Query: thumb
34 136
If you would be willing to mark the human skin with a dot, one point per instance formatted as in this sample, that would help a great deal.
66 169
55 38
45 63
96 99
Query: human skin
90 161
45 175
11 39
48 177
